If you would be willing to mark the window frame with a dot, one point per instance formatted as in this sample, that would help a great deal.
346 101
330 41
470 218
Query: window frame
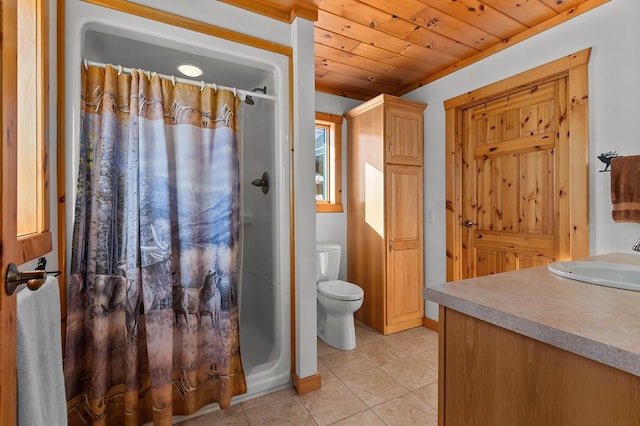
334 124
39 242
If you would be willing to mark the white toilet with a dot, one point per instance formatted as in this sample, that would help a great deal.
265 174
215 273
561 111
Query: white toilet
337 300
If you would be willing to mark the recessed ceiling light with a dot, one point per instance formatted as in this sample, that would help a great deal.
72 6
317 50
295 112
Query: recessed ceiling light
190 70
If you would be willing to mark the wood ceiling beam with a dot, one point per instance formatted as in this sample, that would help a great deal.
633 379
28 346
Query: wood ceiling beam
285 11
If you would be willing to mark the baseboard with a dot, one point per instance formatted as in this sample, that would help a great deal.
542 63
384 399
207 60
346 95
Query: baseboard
430 324
306 384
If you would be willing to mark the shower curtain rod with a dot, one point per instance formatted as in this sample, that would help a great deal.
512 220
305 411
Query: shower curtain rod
174 79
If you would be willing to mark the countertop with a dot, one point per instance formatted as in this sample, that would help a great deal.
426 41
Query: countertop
596 322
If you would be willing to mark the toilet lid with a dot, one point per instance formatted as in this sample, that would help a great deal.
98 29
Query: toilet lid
340 290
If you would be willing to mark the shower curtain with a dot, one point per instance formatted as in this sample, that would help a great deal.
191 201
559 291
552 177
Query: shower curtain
152 315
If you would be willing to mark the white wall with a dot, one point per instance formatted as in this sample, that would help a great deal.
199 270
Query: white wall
612 32
304 193
332 227
226 16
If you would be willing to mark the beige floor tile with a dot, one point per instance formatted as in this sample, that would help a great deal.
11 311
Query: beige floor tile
365 418
405 410
324 349
428 394
366 334
216 417
380 352
413 372
333 402
346 363
415 340
286 412
280 397
374 387
429 357
326 375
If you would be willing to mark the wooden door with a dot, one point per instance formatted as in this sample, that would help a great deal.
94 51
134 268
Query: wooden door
404 247
570 169
509 192
8 205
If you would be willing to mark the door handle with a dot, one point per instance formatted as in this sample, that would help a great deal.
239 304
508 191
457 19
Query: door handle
469 223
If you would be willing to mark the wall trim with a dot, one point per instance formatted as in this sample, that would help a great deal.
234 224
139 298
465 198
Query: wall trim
301 9
430 324
306 384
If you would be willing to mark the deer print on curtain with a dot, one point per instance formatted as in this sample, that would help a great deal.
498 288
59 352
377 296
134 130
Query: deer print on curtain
152 321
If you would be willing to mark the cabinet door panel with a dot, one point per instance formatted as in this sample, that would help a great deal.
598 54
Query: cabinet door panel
404 244
404 285
403 138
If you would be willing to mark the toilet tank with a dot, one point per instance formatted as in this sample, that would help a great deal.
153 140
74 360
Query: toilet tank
327 262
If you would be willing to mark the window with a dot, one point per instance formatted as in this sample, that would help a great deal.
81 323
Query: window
34 237
328 154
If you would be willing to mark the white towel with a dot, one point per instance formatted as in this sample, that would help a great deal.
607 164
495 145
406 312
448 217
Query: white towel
41 393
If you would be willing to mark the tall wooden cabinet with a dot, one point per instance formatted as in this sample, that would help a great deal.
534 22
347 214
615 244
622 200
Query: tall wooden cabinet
384 211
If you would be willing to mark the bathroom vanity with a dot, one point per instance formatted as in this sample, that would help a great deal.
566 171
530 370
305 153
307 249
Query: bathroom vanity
533 348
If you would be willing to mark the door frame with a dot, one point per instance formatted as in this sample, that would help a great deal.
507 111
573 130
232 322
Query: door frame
572 179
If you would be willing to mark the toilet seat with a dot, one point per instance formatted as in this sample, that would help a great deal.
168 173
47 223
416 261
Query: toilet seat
340 290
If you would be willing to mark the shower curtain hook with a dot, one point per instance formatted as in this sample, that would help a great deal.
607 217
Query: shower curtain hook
215 88
119 69
235 94
202 86
173 79
86 63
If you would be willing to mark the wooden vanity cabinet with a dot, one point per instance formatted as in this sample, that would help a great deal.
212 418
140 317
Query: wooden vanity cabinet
384 211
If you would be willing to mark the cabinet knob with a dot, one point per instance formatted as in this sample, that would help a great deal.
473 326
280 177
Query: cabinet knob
468 223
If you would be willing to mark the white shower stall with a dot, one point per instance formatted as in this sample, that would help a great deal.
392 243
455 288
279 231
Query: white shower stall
106 36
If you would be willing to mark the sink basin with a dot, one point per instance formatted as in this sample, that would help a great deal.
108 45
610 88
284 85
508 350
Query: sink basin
618 275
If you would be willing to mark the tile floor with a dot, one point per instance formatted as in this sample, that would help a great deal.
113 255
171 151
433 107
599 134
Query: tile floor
386 380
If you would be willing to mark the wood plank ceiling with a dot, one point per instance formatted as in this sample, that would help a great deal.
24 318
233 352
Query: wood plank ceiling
367 47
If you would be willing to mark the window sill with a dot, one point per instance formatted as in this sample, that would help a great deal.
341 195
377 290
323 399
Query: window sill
329 208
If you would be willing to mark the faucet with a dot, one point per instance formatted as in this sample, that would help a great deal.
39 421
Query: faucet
636 246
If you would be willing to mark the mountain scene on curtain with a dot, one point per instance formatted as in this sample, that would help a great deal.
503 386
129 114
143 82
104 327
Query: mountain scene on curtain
189 227
180 307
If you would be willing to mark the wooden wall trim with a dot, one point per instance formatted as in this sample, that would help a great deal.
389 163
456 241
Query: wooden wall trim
453 192
578 134
306 384
430 324
544 26
60 165
298 9
351 94
191 24
510 84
